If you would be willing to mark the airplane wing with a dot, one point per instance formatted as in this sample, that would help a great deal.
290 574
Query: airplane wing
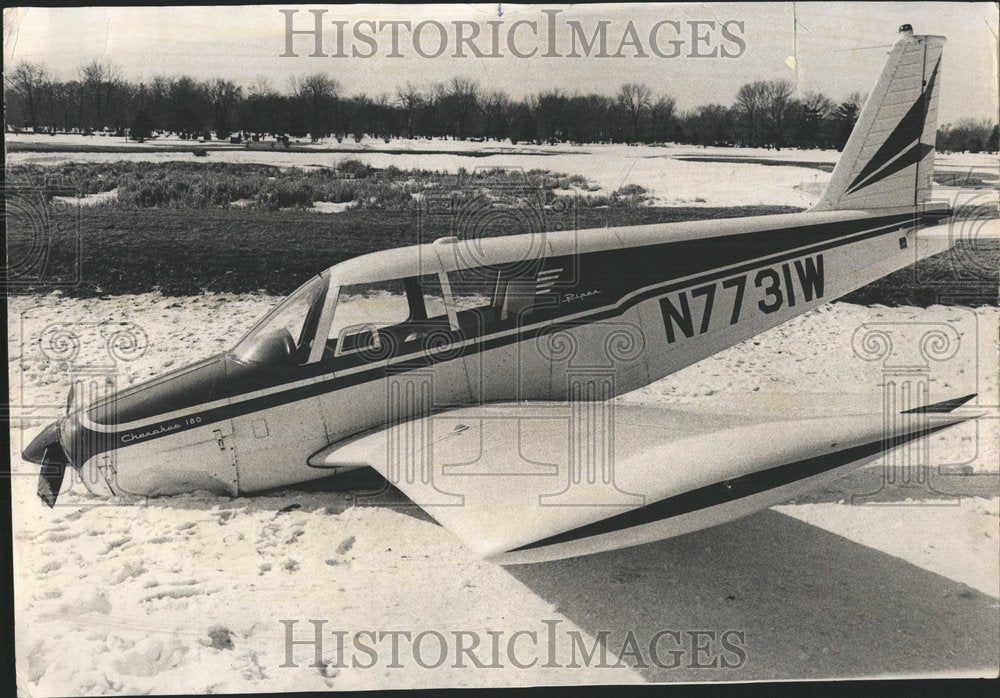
524 482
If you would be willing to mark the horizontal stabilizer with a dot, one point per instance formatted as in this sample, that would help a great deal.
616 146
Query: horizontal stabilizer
944 406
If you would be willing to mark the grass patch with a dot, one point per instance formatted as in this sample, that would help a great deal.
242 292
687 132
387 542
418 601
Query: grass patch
185 252
967 274
182 252
967 180
191 185
183 228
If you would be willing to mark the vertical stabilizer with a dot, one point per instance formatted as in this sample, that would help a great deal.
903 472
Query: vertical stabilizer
888 161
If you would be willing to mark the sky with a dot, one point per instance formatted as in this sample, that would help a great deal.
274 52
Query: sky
836 48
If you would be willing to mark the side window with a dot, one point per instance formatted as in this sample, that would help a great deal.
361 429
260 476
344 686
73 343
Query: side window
472 288
432 297
428 313
387 315
363 309
494 297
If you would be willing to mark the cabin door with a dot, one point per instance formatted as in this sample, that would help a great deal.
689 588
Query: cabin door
394 356
492 309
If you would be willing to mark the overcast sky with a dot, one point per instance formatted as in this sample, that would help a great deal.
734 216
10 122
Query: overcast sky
839 48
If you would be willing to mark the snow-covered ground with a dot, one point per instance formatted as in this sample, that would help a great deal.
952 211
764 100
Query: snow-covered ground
86 199
460 147
187 593
671 181
333 206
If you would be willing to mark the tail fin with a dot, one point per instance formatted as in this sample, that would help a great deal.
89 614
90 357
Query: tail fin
888 161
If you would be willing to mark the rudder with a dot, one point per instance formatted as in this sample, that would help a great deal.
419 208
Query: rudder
888 161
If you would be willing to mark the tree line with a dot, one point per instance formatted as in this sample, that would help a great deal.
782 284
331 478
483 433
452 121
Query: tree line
764 113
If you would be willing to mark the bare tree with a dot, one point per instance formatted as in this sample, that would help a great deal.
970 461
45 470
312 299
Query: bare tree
224 95
260 85
461 99
410 100
814 113
778 108
710 124
319 92
316 86
819 103
188 107
62 99
750 109
634 99
99 78
591 118
495 107
550 115
662 115
968 135
382 117
27 80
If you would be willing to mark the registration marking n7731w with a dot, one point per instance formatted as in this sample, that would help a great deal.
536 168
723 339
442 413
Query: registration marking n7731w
770 289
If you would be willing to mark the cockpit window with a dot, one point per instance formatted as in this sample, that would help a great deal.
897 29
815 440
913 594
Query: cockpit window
385 316
285 334
363 308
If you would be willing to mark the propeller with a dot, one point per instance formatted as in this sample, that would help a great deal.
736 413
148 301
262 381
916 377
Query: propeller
70 396
53 457
50 477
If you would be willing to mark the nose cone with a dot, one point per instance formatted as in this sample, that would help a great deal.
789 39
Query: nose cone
48 437
92 437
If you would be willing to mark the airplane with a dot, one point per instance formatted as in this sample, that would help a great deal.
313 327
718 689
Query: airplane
479 377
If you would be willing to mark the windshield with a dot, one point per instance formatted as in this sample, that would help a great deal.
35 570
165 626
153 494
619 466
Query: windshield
285 334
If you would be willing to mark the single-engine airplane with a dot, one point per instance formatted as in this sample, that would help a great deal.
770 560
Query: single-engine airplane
478 377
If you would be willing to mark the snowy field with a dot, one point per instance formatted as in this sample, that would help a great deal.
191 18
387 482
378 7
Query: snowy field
187 593
672 181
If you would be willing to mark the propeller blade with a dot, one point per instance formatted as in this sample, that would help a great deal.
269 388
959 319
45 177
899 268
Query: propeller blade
50 477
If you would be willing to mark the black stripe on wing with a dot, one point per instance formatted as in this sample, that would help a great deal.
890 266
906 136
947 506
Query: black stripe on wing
729 490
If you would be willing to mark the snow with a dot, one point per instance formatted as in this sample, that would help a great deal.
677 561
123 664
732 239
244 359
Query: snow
332 206
86 199
962 529
187 593
468 147
671 181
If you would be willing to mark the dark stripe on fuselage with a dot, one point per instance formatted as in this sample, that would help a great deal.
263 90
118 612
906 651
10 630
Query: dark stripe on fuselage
698 254
728 491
